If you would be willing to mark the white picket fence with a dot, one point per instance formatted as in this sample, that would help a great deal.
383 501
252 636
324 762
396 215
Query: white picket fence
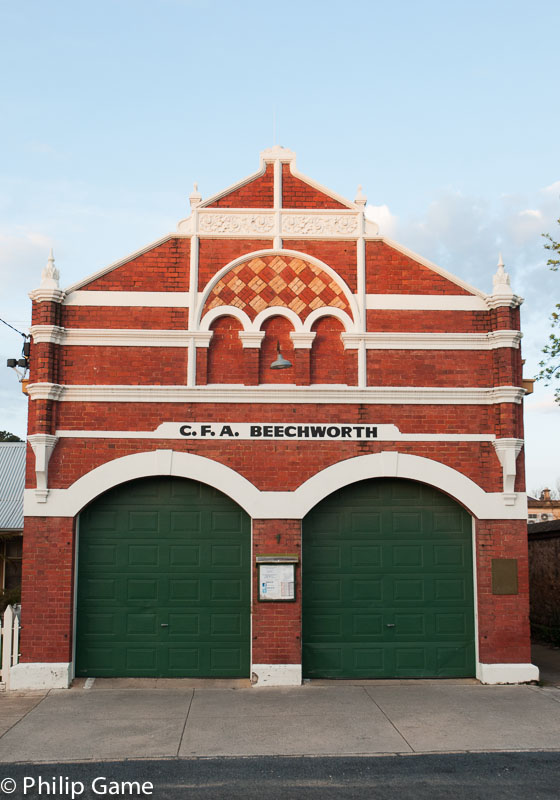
9 639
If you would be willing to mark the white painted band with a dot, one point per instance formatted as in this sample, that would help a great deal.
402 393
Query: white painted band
115 337
265 675
40 675
302 336
397 302
279 393
46 675
433 341
507 673
425 302
170 431
144 299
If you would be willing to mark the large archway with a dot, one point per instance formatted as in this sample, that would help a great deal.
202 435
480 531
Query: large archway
163 582
388 584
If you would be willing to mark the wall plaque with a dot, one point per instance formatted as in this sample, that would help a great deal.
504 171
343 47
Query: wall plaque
277 582
504 576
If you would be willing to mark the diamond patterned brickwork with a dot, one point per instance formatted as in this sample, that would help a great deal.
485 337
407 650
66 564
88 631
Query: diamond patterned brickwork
277 281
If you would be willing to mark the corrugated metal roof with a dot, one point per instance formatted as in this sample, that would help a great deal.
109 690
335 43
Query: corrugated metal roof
12 484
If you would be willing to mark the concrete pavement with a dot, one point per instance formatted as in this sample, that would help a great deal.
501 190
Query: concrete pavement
115 720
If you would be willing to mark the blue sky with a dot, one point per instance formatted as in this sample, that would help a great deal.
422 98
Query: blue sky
445 112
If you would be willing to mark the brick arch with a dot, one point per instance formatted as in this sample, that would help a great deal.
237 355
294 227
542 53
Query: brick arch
277 331
226 363
284 279
327 362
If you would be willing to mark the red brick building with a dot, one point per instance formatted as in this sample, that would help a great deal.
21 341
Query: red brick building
192 510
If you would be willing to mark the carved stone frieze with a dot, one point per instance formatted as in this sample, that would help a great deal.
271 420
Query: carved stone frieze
320 224
236 223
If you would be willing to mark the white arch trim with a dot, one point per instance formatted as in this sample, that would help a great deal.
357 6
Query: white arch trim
274 505
292 254
225 311
277 311
328 311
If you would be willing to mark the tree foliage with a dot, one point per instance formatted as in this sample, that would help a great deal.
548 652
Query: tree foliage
550 365
6 436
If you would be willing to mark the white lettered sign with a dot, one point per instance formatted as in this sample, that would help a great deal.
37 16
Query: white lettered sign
317 431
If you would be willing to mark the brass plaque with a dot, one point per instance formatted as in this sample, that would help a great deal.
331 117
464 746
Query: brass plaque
504 576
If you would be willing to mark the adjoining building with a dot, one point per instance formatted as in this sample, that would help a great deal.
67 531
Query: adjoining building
12 486
544 574
276 445
543 508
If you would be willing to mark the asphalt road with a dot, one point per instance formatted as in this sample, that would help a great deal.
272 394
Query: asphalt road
463 776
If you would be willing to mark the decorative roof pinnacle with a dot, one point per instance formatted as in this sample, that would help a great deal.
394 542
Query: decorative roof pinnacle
500 280
50 274
195 198
502 293
277 153
360 199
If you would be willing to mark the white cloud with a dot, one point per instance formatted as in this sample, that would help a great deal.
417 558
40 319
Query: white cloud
554 189
386 221
531 212
465 235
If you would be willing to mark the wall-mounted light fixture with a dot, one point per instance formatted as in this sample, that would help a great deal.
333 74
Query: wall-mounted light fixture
23 362
280 362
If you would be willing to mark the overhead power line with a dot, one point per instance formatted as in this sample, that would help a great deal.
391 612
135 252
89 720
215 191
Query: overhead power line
25 335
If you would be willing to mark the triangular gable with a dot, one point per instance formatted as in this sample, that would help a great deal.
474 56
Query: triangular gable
298 191
256 191
160 266
393 269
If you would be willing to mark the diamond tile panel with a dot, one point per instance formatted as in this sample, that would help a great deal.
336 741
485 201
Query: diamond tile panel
277 281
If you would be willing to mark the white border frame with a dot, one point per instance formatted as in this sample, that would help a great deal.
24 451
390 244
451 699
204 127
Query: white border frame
275 505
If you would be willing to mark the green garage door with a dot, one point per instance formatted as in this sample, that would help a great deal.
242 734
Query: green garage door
387 584
163 583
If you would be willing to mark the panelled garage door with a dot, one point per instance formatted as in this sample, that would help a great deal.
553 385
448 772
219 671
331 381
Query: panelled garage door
387 584
163 583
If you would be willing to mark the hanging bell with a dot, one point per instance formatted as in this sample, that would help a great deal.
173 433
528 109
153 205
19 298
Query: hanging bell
281 362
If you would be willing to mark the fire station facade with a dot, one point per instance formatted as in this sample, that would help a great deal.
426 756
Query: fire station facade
193 510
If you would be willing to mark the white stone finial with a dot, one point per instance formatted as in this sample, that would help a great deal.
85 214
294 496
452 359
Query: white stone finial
277 153
50 274
501 280
195 198
502 293
360 199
